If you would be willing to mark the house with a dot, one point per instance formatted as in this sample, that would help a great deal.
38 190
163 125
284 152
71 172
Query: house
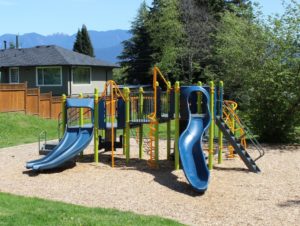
55 69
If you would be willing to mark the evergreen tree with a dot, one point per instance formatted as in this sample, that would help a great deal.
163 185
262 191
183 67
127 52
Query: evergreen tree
87 47
83 42
136 57
77 47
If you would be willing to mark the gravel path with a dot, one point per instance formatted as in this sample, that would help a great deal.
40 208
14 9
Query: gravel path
234 196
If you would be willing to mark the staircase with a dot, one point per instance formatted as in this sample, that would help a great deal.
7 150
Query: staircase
239 143
239 149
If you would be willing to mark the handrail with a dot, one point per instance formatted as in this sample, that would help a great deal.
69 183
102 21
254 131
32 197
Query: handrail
113 85
245 130
162 77
44 132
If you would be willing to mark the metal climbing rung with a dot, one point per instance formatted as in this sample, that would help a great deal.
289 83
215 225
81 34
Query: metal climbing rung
150 145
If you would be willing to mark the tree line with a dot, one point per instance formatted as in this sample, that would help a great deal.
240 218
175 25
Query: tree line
199 40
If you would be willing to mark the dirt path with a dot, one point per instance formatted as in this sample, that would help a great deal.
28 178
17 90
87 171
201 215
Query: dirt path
234 196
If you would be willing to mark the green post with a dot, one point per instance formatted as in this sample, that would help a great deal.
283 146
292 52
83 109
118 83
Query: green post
63 113
220 136
168 123
177 105
141 107
199 99
81 119
81 113
127 125
211 128
96 124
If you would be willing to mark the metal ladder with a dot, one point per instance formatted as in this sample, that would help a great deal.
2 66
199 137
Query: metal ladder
150 144
239 143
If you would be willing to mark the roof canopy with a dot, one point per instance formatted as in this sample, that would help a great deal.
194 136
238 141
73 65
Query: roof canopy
47 56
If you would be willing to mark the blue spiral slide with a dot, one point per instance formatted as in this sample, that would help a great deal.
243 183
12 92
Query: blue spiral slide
75 140
190 142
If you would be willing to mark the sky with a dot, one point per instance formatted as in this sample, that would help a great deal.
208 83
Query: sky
66 16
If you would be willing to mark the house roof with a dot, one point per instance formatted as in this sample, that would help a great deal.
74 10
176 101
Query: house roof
49 55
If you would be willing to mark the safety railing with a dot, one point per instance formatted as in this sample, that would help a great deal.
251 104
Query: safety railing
239 128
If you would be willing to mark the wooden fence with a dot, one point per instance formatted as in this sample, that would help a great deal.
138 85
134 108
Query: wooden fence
19 98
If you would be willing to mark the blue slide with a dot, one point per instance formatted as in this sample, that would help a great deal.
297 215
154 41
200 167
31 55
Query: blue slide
75 140
190 143
68 139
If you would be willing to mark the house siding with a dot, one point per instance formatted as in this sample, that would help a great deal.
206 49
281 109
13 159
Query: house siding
28 74
99 77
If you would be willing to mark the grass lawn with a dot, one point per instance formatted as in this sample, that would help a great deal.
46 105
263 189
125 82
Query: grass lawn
18 210
18 128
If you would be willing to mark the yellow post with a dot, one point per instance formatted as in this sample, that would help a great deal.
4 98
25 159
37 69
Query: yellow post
156 133
96 124
127 124
141 107
112 111
168 122
220 135
64 113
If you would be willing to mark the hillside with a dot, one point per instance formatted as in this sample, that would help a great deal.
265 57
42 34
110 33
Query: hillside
107 44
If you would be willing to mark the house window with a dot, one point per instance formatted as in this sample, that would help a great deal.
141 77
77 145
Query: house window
81 75
49 76
14 75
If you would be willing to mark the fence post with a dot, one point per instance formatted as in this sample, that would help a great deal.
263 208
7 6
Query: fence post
220 136
127 125
211 128
50 103
177 105
25 97
141 107
96 124
38 102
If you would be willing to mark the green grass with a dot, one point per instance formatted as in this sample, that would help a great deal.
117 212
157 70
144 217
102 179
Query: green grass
18 210
18 128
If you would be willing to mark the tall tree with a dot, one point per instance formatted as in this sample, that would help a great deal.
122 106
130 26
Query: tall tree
136 58
260 65
87 47
199 24
83 42
166 32
77 47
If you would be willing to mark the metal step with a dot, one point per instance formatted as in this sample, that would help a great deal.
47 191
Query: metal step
237 146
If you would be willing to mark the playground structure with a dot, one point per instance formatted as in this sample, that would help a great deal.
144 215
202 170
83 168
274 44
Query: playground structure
194 109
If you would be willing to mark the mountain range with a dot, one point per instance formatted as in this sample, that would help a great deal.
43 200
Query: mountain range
107 44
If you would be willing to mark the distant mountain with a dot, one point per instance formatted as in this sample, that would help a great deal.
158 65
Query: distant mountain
107 44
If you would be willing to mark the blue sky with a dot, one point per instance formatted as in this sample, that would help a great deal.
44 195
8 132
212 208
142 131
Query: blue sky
66 16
